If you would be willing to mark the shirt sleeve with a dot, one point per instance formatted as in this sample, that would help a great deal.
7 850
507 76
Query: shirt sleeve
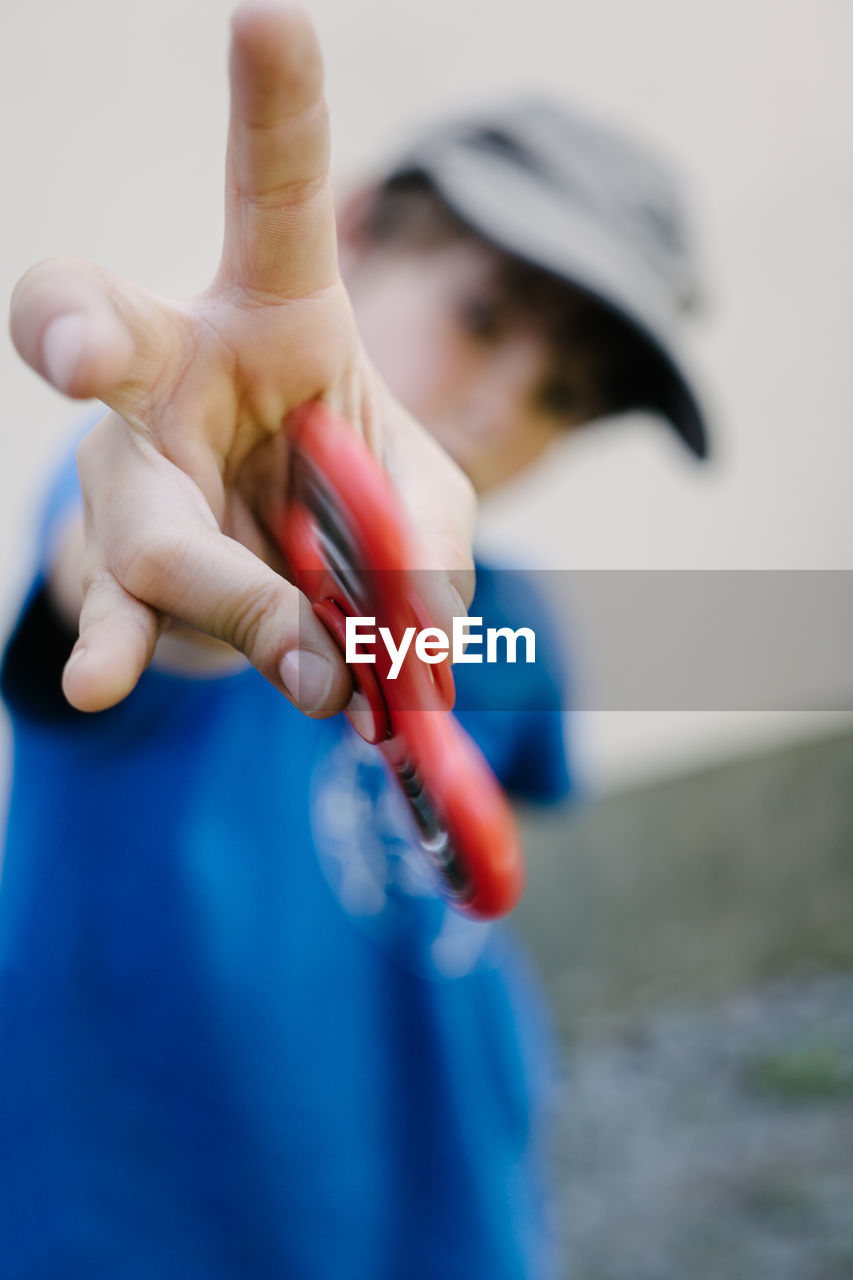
41 641
35 655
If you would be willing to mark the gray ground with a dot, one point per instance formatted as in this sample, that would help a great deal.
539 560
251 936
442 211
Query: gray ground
696 941
716 1143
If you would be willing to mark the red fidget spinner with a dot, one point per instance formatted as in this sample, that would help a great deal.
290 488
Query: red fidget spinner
345 539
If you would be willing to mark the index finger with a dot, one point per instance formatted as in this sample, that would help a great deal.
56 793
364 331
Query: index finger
280 219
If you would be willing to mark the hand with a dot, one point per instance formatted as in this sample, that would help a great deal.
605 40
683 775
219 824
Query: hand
178 480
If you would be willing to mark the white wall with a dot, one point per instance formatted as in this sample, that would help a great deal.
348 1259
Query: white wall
112 123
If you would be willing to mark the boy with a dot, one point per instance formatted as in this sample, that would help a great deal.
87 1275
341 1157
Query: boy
242 1036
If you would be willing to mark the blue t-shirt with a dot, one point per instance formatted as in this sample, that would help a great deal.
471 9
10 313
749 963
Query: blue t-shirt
240 1035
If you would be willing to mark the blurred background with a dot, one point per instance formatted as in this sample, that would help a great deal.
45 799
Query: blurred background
696 924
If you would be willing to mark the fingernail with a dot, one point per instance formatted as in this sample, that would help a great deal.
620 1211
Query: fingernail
307 678
61 348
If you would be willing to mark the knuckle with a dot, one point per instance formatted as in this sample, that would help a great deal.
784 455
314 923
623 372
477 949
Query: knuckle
287 199
95 581
248 618
148 569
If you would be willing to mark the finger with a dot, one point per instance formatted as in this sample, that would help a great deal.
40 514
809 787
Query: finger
91 335
440 503
161 543
201 577
116 644
280 218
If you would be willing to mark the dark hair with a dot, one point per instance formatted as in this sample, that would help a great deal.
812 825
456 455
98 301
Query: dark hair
409 214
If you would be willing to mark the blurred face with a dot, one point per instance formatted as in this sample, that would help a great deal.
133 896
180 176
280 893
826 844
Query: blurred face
480 367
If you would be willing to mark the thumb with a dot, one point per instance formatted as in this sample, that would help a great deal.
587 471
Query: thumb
90 334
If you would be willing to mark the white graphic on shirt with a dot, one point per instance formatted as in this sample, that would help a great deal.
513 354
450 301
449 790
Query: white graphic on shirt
365 846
